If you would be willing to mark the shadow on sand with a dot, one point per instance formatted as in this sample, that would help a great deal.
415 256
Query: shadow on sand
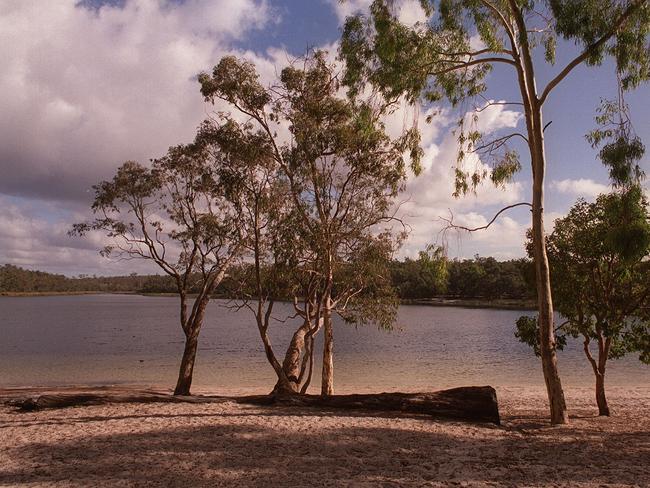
248 449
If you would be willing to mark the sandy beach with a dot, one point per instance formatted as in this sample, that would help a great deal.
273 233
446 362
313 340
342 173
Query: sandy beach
228 444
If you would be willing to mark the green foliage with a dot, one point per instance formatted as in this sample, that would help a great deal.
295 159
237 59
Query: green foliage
485 277
527 331
424 277
620 149
14 279
587 21
504 171
431 275
600 274
237 82
437 59
317 217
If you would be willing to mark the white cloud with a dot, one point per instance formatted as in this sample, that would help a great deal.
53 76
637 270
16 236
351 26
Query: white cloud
34 235
82 89
409 12
430 195
583 187
31 241
349 7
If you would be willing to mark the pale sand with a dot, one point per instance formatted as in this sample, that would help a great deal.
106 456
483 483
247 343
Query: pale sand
226 444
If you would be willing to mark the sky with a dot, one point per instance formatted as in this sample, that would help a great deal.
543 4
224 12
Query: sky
87 85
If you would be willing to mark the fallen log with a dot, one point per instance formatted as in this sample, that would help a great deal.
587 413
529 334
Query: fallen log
64 400
472 403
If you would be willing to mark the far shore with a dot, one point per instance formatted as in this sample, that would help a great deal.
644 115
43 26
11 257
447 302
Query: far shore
499 303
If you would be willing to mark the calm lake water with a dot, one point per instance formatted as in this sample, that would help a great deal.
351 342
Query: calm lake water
128 339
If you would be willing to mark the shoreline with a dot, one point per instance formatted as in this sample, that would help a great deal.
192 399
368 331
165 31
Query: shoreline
497 304
16 294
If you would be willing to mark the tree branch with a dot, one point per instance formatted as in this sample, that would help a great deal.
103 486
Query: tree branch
589 50
468 64
451 225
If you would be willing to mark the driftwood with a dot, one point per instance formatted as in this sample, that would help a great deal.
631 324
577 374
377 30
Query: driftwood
473 403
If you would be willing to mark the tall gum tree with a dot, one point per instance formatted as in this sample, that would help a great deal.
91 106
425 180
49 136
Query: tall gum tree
343 174
437 59
174 215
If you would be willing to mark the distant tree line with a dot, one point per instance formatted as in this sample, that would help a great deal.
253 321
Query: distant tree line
486 278
431 275
19 280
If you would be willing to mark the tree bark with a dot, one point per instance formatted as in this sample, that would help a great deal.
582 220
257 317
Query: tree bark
186 371
292 364
327 383
599 371
535 131
308 360
557 403
192 331
474 403
283 384
604 345
601 399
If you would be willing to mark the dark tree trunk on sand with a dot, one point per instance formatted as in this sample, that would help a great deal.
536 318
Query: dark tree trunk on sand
604 345
473 403
192 330
601 399
186 371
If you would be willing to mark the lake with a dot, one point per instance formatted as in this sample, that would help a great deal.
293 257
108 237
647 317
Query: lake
131 339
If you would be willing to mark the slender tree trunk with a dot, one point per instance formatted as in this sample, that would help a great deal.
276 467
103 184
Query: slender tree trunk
535 131
186 371
599 371
557 403
327 384
604 345
309 352
184 382
601 399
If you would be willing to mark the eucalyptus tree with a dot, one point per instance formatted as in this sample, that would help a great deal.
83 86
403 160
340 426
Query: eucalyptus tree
601 280
174 215
343 174
273 270
448 57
